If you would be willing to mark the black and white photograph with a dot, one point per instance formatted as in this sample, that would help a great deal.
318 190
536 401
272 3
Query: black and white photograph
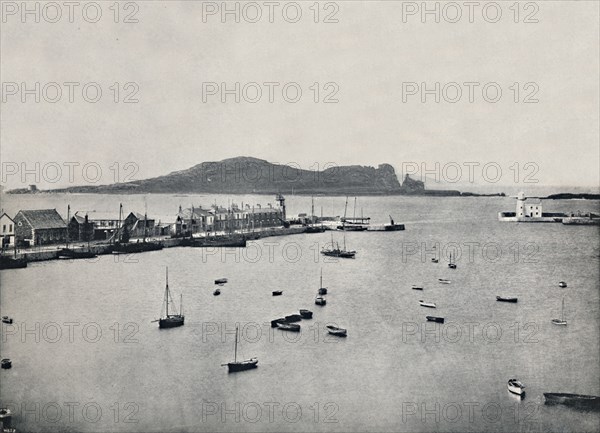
299 216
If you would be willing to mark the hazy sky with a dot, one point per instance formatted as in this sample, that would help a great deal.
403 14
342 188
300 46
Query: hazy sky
369 53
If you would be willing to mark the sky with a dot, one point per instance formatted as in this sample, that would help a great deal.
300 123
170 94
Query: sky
372 66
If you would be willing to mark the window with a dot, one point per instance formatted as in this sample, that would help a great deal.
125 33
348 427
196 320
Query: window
3 228
10 228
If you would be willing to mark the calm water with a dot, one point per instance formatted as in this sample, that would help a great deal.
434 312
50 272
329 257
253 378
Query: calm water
392 373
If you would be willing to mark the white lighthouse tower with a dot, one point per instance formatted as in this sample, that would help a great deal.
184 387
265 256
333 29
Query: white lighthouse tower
520 212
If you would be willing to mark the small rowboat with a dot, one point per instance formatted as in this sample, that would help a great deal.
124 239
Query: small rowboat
288 327
505 299
319 300
443 281
6 319
427 304
323 291
334 330
434 260
217 292
417 287
306 314
435 319
293 318
516 387
276 322
277 292
6 363
221 281
562 284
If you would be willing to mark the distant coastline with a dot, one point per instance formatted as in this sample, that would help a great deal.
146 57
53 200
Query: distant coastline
246 175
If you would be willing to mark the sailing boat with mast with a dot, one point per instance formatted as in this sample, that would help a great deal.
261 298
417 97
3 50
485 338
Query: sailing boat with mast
562 320
71 253
451 265
312 228
240 365
335 250
322 290
171 320
354 224
122 244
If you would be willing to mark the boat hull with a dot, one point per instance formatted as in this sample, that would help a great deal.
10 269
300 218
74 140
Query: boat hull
435 319
10 263
171 322
137 247
574 400
426 304
501 299
68 253
306 314
242 366
288 327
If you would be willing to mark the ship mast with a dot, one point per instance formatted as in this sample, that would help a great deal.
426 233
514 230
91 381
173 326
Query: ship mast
236 340
167 292
68 218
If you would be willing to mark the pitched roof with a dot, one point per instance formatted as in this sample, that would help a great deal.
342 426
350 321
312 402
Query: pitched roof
6 216
43 219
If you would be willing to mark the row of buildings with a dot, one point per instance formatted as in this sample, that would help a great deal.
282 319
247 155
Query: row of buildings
46 226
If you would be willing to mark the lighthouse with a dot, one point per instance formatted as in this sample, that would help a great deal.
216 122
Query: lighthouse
520 204
281 199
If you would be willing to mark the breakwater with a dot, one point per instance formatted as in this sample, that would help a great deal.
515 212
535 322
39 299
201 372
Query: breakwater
215 242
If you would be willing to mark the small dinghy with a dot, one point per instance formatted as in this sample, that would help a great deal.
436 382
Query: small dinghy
277 292
516 387
6 363
417 287
323 291
562 284
306 314
506 299
288 327
276 322
435 319
221 281
293 318
426 304
434 260
443 281
334 330
319 300
217 292
6 319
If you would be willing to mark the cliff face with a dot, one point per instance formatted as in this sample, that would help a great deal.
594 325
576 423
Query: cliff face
244 175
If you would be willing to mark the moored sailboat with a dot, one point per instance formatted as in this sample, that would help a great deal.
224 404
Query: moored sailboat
562 320
171 320
240 365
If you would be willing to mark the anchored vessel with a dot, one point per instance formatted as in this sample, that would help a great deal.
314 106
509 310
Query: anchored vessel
562 320
335 250
590 402
506 299
171 320
516 387
240 365
354 224
334 330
